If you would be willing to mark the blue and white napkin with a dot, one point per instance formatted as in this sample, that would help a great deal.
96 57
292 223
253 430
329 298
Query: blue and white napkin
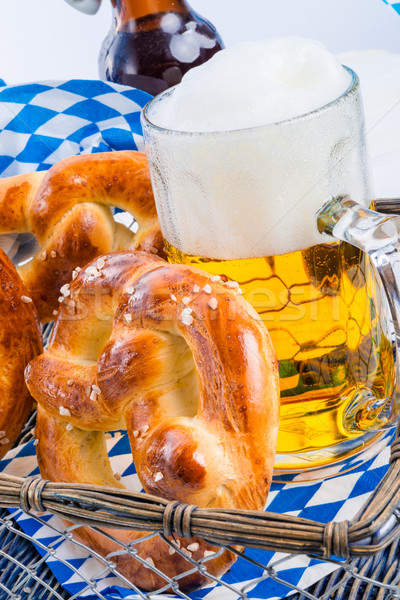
42 123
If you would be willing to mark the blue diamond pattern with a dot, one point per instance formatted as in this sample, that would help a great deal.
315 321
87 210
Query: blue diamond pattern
133 120
130 470
30 118
5 161
395 5
95 102
86 88
84 132
120 447
92 110
125 139
102 147
22 93
40 147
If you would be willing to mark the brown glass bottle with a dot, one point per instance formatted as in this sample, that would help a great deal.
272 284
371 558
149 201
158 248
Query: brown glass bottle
153 43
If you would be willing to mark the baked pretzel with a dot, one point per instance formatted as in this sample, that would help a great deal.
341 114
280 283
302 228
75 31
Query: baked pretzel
20 341
180 362
68 210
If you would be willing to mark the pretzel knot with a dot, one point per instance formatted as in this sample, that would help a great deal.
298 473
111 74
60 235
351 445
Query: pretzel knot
68 210
182 364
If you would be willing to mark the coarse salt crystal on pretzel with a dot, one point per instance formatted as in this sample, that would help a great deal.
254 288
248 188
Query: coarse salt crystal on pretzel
199 400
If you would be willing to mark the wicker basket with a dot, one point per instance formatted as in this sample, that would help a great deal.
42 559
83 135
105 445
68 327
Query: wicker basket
375 528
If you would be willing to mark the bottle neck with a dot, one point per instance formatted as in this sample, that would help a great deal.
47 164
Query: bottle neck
131 10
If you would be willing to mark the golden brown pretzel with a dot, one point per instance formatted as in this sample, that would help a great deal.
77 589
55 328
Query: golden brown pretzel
181 363
20 341
68 210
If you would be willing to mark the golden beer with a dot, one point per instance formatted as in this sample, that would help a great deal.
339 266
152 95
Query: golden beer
323 309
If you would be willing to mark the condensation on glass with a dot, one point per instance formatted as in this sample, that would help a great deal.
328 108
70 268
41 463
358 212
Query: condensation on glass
242 204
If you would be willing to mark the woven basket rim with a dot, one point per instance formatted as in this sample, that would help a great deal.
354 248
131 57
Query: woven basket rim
373 528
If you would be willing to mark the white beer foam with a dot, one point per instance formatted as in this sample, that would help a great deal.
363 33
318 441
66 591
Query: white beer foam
251 192
254 83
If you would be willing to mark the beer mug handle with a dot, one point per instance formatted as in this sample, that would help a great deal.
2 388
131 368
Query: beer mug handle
378 235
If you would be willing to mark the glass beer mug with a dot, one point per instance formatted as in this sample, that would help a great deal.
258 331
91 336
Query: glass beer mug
242 204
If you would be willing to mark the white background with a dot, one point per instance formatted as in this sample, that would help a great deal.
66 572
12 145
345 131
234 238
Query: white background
47 39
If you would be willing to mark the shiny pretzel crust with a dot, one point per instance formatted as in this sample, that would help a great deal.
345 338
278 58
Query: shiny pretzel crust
68 210
20 341
200 400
